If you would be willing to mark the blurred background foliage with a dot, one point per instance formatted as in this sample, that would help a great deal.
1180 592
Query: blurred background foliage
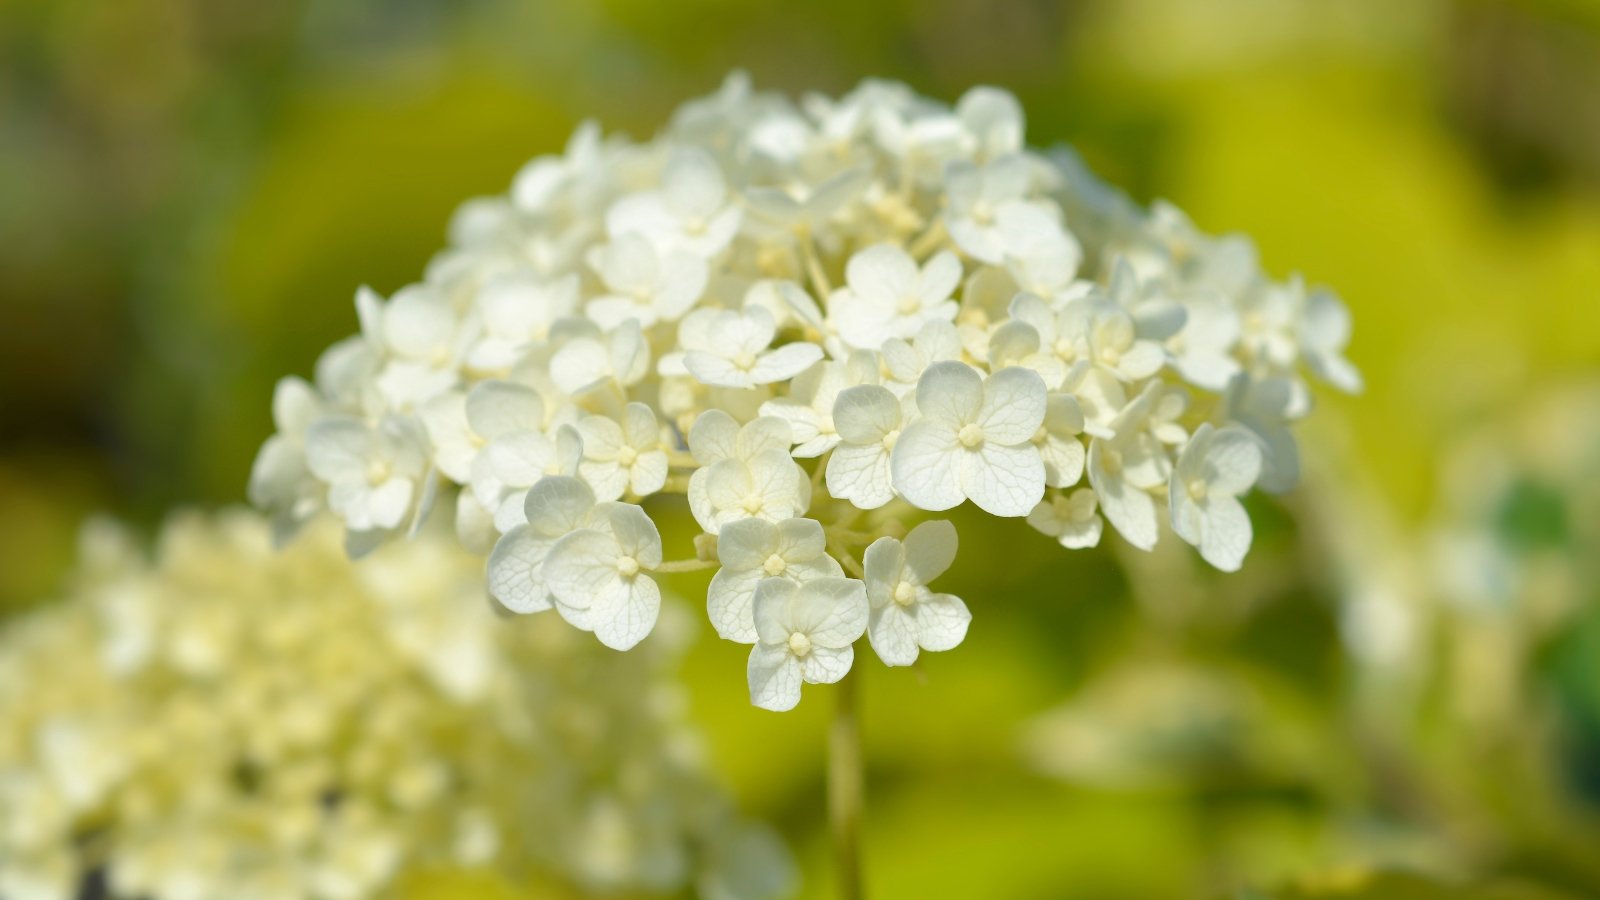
1399 697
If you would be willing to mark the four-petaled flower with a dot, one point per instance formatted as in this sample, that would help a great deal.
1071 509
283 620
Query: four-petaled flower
804 632
906 616
973 441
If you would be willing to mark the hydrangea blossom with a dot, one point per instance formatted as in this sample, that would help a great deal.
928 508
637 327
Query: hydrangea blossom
818 322
226 721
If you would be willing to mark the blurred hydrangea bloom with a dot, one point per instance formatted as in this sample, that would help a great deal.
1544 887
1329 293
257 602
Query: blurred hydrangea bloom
228 721
850 312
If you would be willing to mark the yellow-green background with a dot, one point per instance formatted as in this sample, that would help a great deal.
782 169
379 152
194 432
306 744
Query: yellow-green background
191 191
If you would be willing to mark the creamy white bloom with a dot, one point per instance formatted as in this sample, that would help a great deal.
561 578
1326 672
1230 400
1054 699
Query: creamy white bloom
692 211
625 454
420 340
1125 466
745 472
886 295
888 302
517 309
588 359
905 361
378 477
600 575
977 196
751 550
906 616
1215 467
734 350
1069 518
643 283
973 440
804 633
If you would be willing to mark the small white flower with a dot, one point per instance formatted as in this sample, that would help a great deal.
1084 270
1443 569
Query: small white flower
977 195
973 440
1069 518
732 350
691 211
745 472
377 476
1215 468
1324 333
1041 256
600 575
1203 351
809 406
1058 443
280 480
906 615
588 358
420 340
625 455
1264 406
753 549
516 459
644 284
904 362
1125 466
517 310
804 632
868 418
887 296
555 507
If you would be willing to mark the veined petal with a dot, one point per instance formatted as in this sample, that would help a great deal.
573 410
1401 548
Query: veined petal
930 548
774 676
515 576
1001 480
925 465
1014 401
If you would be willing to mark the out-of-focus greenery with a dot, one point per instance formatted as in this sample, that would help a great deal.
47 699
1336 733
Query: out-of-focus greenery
190 193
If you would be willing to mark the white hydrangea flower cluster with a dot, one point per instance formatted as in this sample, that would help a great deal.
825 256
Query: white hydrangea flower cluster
818 321
229 721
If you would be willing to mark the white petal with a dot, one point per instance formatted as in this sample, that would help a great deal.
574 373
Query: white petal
1128 508
774 676
893 635
881 271
773 619
625 614
558 505
581 567
337 447
495 408
831 611
942 621
826 665
1001 480
1013 406
952 392
515 576
636 533
930 549
730 601
860 475
864 414
1235 460
785 362
1225 534
924 465
712 436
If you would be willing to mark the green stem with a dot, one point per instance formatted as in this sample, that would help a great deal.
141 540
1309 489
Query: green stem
845 789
